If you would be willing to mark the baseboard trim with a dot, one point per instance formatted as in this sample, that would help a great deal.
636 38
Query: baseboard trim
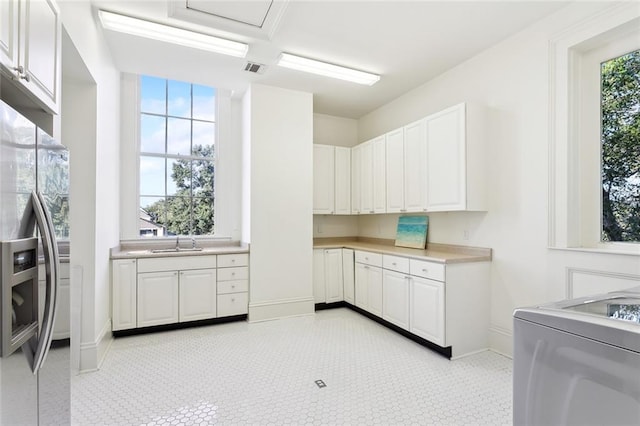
92 354
265 311
501 341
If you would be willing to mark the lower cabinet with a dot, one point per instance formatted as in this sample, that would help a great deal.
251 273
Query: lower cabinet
157 291
446 304
368 282
233 284
197 295
124 294
395 298
427 309
333 275
157 298
348 276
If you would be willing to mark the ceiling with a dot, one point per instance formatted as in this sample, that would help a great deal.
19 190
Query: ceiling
407 42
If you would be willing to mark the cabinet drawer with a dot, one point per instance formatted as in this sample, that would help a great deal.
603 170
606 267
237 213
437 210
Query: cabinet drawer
431 270
233 304
229 260
236 286
373 259
395 263
232 274
177 263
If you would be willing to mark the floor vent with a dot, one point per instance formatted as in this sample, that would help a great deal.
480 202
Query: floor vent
254 67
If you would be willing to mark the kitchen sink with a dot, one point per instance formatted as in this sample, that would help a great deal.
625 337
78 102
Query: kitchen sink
176 250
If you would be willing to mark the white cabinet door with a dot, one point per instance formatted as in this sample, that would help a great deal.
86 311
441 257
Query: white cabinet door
157 298
395 171
40 44
395 299
348 275
366 178
319 291
124 294
333 275
375 290
323 179
355 179
342 180
379 179
415 167
428 309
9 34
446 160
362 286
197 294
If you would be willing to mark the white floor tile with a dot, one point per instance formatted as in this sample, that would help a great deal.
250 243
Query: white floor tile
265 373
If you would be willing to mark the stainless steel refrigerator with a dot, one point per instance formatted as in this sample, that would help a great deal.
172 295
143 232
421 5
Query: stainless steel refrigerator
34 232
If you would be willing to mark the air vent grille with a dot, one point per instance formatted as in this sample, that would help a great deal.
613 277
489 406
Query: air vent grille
254 67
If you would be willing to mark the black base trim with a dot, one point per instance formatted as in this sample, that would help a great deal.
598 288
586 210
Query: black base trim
178 325
445 352
323 306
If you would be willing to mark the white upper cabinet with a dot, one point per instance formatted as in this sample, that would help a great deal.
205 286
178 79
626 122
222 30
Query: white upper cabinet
30 43
323 179
331 179
415 167
355 179
406 165
379 175
342 180
9 34
395 171
372 176
366 178
455 160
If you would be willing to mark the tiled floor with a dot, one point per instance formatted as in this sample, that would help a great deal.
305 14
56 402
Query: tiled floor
265 373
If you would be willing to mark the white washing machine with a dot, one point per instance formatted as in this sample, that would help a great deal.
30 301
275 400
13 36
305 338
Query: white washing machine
577 362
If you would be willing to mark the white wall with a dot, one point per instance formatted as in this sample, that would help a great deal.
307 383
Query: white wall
280 207
94 179
511 80
332 130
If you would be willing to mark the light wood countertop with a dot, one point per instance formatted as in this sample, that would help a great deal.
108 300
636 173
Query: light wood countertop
441 253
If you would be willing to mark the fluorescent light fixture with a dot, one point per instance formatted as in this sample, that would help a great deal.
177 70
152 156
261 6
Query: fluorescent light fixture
294 62
139 27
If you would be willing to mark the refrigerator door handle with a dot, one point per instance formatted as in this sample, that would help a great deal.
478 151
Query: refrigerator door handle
51 258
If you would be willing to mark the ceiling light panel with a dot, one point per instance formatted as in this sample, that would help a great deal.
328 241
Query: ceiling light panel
299 63
139 27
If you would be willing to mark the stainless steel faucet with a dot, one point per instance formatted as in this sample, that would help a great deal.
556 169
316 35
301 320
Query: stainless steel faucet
193 243
177 242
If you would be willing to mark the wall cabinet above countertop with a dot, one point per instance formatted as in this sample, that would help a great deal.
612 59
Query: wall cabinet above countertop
30 47
435 164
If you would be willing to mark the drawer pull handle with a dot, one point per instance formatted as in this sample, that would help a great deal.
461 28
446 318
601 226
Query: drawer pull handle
233 300
425 270
233 273
394 263
233 286
233 260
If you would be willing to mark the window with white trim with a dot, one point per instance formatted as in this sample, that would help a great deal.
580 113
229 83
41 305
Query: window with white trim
177 158
582 140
